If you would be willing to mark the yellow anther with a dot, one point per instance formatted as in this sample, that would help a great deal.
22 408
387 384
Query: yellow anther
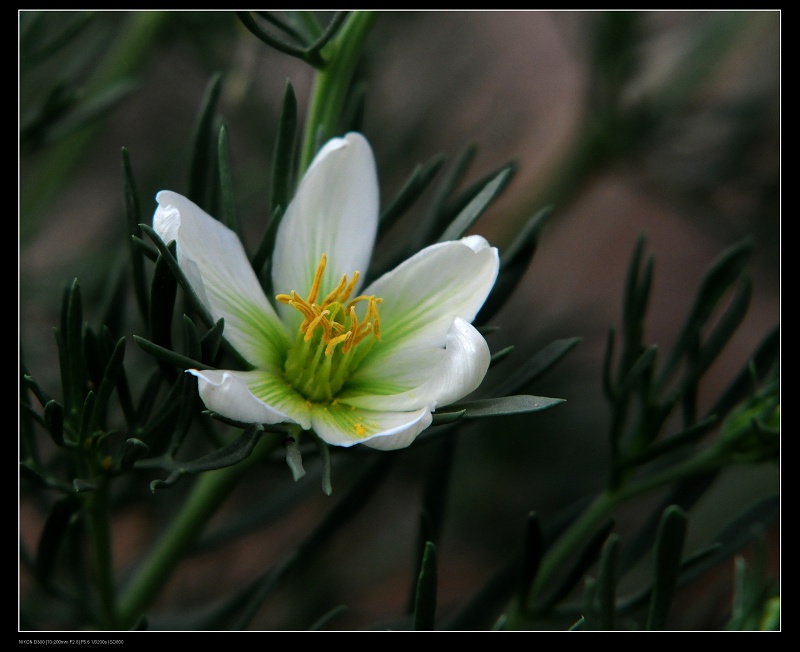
334 294
350 287
319 319
334 341
312 296
372 310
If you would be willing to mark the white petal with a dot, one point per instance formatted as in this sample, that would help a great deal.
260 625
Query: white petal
345 425
450 376
214 261
251 397
334 212
423 295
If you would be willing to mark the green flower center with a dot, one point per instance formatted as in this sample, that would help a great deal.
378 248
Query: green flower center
332 341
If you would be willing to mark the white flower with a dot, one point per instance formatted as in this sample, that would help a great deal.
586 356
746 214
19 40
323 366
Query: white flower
355 366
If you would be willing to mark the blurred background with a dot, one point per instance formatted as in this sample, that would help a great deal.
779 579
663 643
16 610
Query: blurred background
694 167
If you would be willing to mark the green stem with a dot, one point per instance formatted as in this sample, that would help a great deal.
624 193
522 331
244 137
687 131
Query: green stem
332 83
209 492
100 533
600 509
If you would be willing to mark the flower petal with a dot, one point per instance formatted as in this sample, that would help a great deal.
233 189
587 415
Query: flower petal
345 425
422 297
251 397
214 261
452 375
334 212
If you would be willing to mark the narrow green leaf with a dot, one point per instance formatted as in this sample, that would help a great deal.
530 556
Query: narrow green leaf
609 389
762 360
73 339
514 264
90 110
321 622
163 292
674 442
472 211
211 341
724 330
93 356
505 405
437 212
425 605
187 408
145 249
434 500
158 427
722 273
668 550
133 217
191 339
587 557
536 365
33 474
642 367
607 582
286 27
500 355
107 385
41 395
186 286
330 31
133 450
149 394
34 50
84 430
577 625
81 485
229 455
294 459
54 418
53 532
226 182
283 155
531 554
410 191
325 456
442 418
169 357
281 45
201 161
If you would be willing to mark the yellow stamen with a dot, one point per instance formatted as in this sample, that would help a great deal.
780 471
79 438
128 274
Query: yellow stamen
334 341
320 318
335 292
312 296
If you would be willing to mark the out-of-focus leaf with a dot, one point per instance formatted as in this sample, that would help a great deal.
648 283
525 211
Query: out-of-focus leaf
55 528
668 551
425 604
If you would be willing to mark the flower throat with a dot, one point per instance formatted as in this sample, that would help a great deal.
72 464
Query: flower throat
331 341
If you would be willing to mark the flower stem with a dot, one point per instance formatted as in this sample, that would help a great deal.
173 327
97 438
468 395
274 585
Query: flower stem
332 83
209 492
100 533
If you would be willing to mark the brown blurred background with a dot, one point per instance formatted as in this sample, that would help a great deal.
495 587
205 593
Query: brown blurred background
519 85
